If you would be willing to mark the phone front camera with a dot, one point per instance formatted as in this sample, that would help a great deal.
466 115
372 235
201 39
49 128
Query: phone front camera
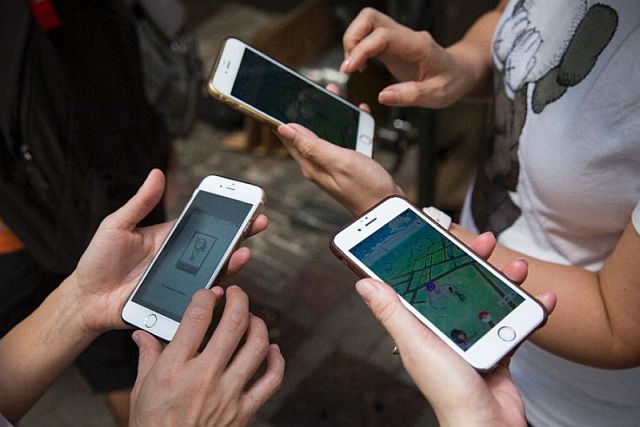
359 229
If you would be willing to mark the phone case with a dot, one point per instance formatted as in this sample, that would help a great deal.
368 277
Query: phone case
362 274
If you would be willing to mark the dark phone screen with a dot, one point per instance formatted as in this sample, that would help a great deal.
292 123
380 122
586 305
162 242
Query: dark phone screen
290 99
456 293
192 254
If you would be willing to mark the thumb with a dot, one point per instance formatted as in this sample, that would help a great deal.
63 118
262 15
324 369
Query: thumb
139 206
549 300
309 146
436 369
149 349
387 308
411 94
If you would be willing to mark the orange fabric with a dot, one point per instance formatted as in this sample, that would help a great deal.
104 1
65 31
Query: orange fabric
9 242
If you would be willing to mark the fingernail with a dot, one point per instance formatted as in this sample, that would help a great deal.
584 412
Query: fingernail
135 338
524 260
388 97
366 288
287 132
276 346
345 63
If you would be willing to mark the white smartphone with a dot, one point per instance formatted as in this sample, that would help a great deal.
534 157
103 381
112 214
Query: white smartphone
194 253
467 302
260 86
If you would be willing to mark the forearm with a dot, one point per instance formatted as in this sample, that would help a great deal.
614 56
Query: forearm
36 352
592 321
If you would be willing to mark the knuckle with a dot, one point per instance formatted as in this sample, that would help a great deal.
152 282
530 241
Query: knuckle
385 309
368 12
107 221
259 341
237 320
231 414
383 33
165 378
348 164
259 347
346 40
306 150
274 380
198 314
425 36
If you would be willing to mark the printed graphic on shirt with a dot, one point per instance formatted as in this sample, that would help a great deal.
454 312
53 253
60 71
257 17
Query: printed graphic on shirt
553 46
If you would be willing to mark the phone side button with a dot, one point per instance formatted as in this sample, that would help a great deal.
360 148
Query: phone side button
150 320
365 140
507 333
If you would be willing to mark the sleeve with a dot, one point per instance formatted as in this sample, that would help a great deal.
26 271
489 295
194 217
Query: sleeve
635 218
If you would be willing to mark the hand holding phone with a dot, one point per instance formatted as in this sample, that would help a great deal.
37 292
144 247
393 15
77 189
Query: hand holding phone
441 375
465 301
256 84
195 252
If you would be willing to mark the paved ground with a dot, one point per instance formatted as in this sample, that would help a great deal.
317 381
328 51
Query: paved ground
340 370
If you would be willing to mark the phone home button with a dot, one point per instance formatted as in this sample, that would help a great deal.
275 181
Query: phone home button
507 333
365 140
150 320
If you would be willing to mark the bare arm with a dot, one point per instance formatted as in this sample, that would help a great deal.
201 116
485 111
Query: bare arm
595 322
473 52
36 352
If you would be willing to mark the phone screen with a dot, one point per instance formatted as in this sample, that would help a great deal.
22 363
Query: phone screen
192 254
289 99
453 291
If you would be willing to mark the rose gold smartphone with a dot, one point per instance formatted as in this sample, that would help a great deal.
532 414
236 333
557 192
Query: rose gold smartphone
194 253
464 300
261 87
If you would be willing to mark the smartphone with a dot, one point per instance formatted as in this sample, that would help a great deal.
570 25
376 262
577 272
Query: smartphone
194 253
467 302
258 85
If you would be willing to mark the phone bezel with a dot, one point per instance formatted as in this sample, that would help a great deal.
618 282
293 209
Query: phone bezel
490 348
225 71
165 327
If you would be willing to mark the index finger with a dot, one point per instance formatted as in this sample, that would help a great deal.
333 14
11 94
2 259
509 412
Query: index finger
367 20
193 327
230 330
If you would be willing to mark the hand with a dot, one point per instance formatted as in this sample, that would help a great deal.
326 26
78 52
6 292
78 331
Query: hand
180 386
353 179
119 253
458 394
430 75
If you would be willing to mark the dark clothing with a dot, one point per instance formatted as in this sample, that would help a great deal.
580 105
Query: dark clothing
75 95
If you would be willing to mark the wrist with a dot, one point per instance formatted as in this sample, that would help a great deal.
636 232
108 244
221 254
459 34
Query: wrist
68 297
471 70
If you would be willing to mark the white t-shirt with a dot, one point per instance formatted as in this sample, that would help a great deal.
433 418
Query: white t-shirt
562 177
